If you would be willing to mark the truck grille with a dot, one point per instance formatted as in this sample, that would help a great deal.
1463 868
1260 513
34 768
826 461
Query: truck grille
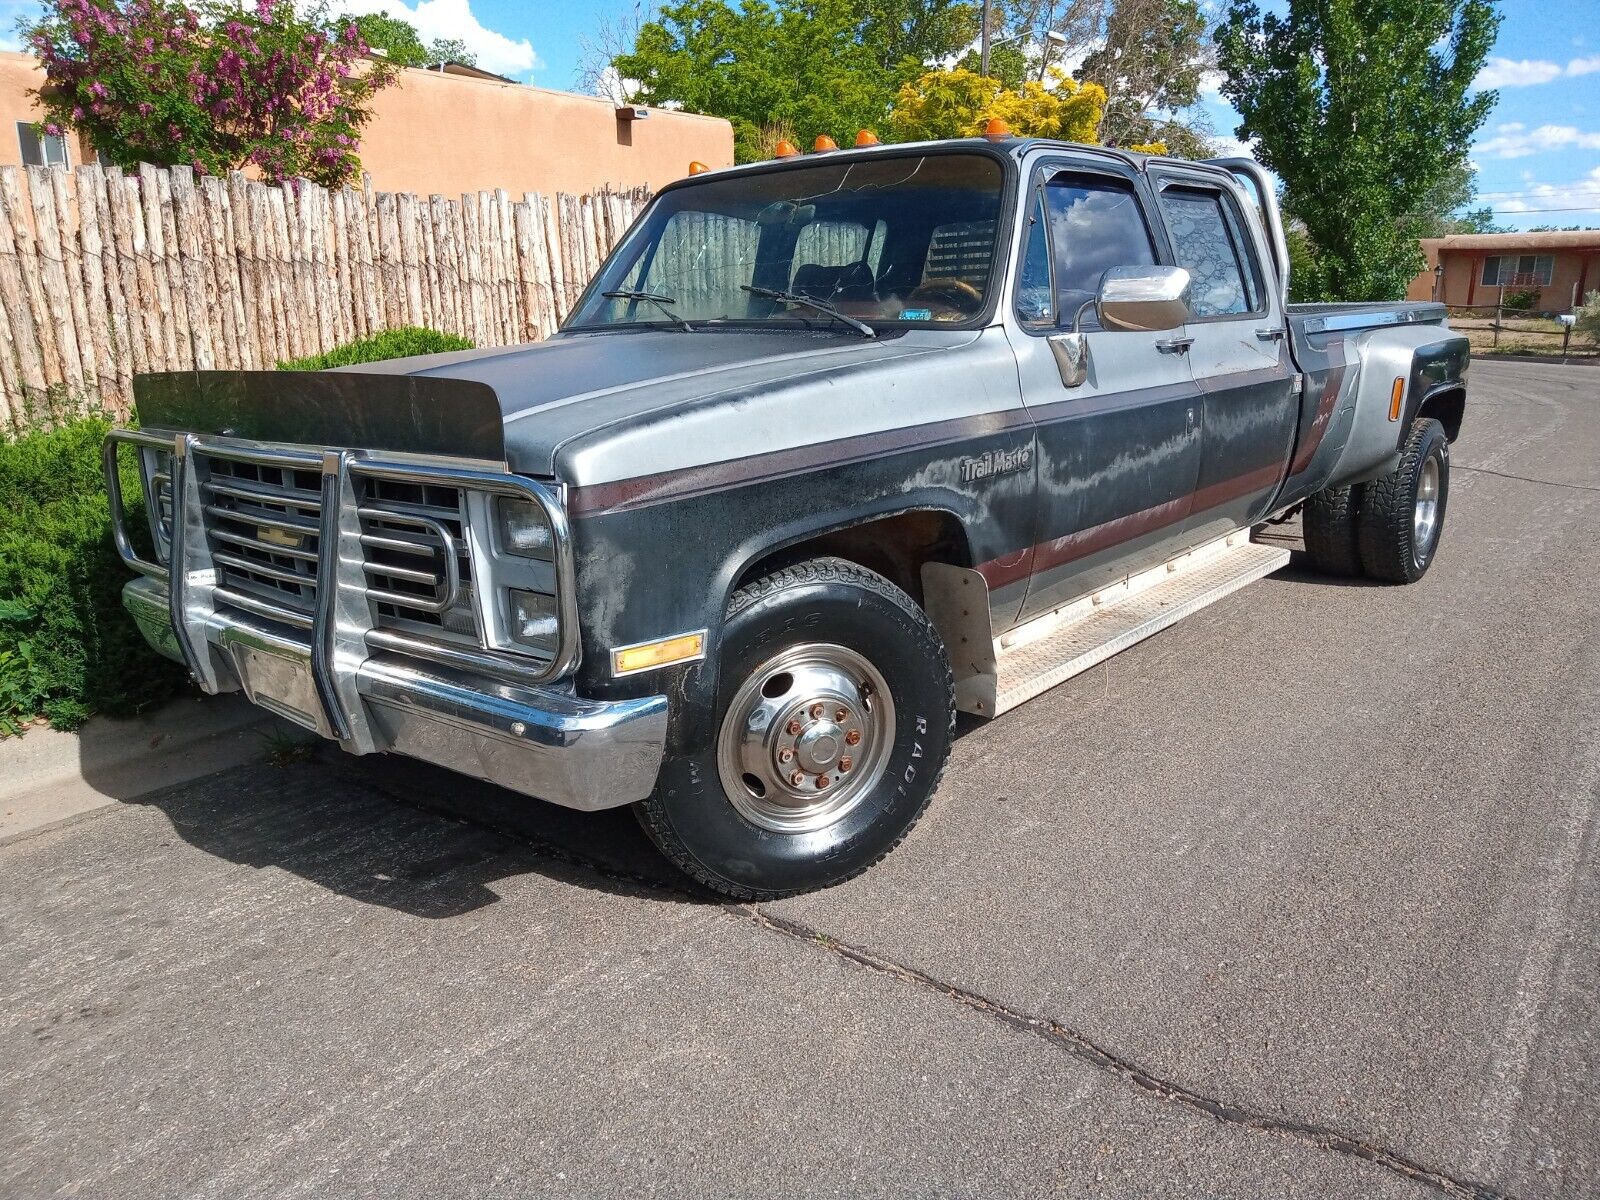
417 560
262 527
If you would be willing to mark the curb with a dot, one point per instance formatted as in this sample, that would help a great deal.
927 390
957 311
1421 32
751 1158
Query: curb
47 776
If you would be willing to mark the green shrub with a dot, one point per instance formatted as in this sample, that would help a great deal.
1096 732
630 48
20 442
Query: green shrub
67 648
1525 300
391 343
1588 314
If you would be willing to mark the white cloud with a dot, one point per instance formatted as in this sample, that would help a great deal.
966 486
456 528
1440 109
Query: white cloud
1506 72
1529 72
1580 195
1516 140
436 19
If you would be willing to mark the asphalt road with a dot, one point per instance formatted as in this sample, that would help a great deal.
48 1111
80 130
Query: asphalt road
1297 899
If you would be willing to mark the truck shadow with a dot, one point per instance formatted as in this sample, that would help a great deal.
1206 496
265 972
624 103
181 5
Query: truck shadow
407 836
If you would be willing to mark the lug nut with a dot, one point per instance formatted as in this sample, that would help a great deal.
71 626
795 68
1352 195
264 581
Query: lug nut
797 778
846 763
853 738
794 727
842 714
822 782
816 712
785 756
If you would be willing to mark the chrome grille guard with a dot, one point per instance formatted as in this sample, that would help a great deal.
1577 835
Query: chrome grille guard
340 630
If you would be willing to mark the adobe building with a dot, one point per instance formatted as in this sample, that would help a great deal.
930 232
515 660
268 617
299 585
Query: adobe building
457 130
1476 268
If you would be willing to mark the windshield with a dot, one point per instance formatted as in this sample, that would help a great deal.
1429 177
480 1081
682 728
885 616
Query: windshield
902 240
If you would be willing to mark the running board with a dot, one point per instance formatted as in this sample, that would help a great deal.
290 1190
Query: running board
1050 649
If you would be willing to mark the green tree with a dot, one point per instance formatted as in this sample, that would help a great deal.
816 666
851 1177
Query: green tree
396 38
402 45
1361 107
815 66
1151 60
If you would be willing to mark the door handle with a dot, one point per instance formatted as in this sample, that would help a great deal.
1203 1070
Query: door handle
1270 334
1177 345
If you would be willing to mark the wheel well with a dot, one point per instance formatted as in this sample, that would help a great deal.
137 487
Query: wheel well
895 547
1448 408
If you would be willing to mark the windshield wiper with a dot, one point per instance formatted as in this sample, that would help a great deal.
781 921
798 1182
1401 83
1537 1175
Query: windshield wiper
656 298
825 309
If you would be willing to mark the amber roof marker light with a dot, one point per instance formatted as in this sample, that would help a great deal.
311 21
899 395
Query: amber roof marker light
867 138
785 149
996 130
823 144
696 168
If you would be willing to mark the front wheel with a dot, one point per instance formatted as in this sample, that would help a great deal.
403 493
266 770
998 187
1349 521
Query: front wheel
1403 512
835 716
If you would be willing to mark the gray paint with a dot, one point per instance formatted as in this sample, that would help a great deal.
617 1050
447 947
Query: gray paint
685 458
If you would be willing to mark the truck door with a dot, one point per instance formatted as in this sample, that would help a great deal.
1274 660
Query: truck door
1119 454
1239 355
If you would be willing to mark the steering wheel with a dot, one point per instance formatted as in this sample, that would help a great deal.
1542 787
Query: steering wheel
952 293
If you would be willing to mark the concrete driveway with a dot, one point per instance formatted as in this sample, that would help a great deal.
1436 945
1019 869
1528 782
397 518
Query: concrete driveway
1299 898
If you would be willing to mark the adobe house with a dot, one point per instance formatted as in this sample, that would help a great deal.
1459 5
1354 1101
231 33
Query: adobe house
1476 268
457 130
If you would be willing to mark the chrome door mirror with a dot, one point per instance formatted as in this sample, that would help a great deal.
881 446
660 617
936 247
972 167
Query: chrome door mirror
1143 299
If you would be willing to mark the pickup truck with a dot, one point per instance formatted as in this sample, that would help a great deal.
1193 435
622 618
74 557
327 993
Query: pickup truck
833 447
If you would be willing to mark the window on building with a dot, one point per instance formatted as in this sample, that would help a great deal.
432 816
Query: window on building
41 149
1518 270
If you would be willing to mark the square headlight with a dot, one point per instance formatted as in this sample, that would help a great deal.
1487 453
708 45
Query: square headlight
524 528
533 620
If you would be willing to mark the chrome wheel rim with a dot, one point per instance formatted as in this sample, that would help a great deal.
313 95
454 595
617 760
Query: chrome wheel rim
806 738
1425 513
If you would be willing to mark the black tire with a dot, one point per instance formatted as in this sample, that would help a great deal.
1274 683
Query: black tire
1395 546
728 843
1329 522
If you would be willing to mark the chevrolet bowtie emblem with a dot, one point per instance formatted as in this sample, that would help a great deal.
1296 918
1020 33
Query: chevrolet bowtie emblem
280 537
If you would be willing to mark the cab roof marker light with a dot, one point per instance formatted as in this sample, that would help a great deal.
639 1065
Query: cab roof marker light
785 149
866 137
823 144
996 130
696 167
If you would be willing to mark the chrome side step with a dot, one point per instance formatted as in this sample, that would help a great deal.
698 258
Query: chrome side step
1054 647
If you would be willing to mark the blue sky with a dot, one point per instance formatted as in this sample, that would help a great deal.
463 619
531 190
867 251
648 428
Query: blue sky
1538 155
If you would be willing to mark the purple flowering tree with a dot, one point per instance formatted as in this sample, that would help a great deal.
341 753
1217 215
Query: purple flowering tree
211 85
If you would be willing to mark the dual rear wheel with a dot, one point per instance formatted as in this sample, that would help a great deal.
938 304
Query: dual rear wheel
1387 528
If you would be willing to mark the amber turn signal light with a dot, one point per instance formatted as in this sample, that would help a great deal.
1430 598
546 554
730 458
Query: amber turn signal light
823 144
785 149
867 138
686 647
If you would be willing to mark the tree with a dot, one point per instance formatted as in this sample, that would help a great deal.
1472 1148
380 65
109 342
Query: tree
402 45
1445 208
958 103
213 86
1361 107
1588 318
1153 56
817 66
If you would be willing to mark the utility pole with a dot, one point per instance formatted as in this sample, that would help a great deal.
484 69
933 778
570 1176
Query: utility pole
983 42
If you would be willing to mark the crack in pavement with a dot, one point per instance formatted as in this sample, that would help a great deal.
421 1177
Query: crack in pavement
1071 1041
1086 1050
1555 483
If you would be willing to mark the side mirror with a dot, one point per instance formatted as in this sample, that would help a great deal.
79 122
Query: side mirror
1143 299
1131 299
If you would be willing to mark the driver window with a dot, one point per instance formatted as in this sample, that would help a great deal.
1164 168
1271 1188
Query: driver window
1096 223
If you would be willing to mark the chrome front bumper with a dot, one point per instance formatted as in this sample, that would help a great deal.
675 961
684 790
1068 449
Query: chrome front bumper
540 741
